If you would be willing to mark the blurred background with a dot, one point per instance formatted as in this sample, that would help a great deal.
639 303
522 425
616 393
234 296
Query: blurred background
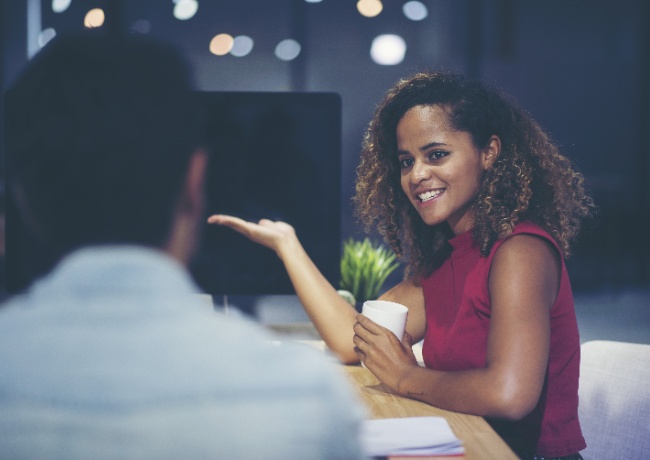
581 67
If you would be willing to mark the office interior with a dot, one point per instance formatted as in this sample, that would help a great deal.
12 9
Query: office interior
581 68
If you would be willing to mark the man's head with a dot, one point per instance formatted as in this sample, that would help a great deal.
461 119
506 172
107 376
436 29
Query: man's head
104 136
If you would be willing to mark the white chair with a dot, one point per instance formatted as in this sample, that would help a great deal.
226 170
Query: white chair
615 400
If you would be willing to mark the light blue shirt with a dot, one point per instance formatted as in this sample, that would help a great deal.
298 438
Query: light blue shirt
113 355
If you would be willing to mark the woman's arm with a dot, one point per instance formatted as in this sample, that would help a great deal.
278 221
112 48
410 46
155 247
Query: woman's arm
332 315
523 285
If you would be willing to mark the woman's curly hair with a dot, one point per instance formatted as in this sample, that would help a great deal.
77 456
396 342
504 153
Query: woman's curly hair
529 180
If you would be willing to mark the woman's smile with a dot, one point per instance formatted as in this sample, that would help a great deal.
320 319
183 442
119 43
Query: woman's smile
430 195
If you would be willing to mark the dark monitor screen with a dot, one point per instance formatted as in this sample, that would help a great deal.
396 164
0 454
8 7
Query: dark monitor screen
273 155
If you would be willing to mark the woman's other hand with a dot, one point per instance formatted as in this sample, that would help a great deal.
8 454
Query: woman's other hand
388 358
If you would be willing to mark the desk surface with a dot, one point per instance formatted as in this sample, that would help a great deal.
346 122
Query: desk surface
479 439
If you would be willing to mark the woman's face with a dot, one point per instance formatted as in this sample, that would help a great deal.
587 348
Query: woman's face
441 168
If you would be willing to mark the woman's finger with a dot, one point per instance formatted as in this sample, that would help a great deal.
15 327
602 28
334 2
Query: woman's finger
361 331
228 221
370 325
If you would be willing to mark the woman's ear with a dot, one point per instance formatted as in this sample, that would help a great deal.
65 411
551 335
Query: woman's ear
188 218
490 152
192 197
195 178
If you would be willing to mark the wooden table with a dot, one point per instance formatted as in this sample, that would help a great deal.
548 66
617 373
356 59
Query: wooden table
479 439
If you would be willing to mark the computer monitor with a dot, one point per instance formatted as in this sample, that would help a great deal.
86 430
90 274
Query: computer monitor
274 155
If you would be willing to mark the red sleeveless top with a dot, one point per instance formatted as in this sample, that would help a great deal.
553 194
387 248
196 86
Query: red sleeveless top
457 304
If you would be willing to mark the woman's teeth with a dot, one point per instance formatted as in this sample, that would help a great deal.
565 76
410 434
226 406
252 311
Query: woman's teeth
430 195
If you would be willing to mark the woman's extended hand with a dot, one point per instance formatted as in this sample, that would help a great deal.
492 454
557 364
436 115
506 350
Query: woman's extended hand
388 358
266 232
332 316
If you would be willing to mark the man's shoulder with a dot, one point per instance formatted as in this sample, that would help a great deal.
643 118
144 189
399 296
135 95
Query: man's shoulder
191 367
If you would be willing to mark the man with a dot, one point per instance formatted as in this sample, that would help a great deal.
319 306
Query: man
112 354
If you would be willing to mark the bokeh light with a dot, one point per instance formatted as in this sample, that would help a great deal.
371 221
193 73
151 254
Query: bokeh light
388 49
369 8
415 11
141 26
287 50
185 9
94 18
242 45
59 6
45 36
221 44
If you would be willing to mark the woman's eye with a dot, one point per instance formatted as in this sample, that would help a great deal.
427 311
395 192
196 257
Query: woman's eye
406 162
438 154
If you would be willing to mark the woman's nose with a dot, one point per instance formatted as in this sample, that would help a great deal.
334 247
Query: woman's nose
420 172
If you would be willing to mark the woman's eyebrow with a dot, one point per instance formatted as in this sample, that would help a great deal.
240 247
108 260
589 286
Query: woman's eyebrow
432 144
423 148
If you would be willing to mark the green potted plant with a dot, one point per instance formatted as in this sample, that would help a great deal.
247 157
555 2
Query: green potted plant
364 269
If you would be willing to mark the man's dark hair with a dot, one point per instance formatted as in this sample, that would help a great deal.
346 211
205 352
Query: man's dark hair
101 130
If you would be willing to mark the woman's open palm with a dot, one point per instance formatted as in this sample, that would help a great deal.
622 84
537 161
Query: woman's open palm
265 232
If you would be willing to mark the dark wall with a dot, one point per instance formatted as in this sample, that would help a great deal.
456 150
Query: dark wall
581 67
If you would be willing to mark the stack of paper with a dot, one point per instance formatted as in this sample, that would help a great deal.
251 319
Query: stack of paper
409 436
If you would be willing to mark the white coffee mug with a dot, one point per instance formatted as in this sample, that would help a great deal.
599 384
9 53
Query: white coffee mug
390 315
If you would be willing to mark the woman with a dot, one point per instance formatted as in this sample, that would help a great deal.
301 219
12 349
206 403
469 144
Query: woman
470 191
